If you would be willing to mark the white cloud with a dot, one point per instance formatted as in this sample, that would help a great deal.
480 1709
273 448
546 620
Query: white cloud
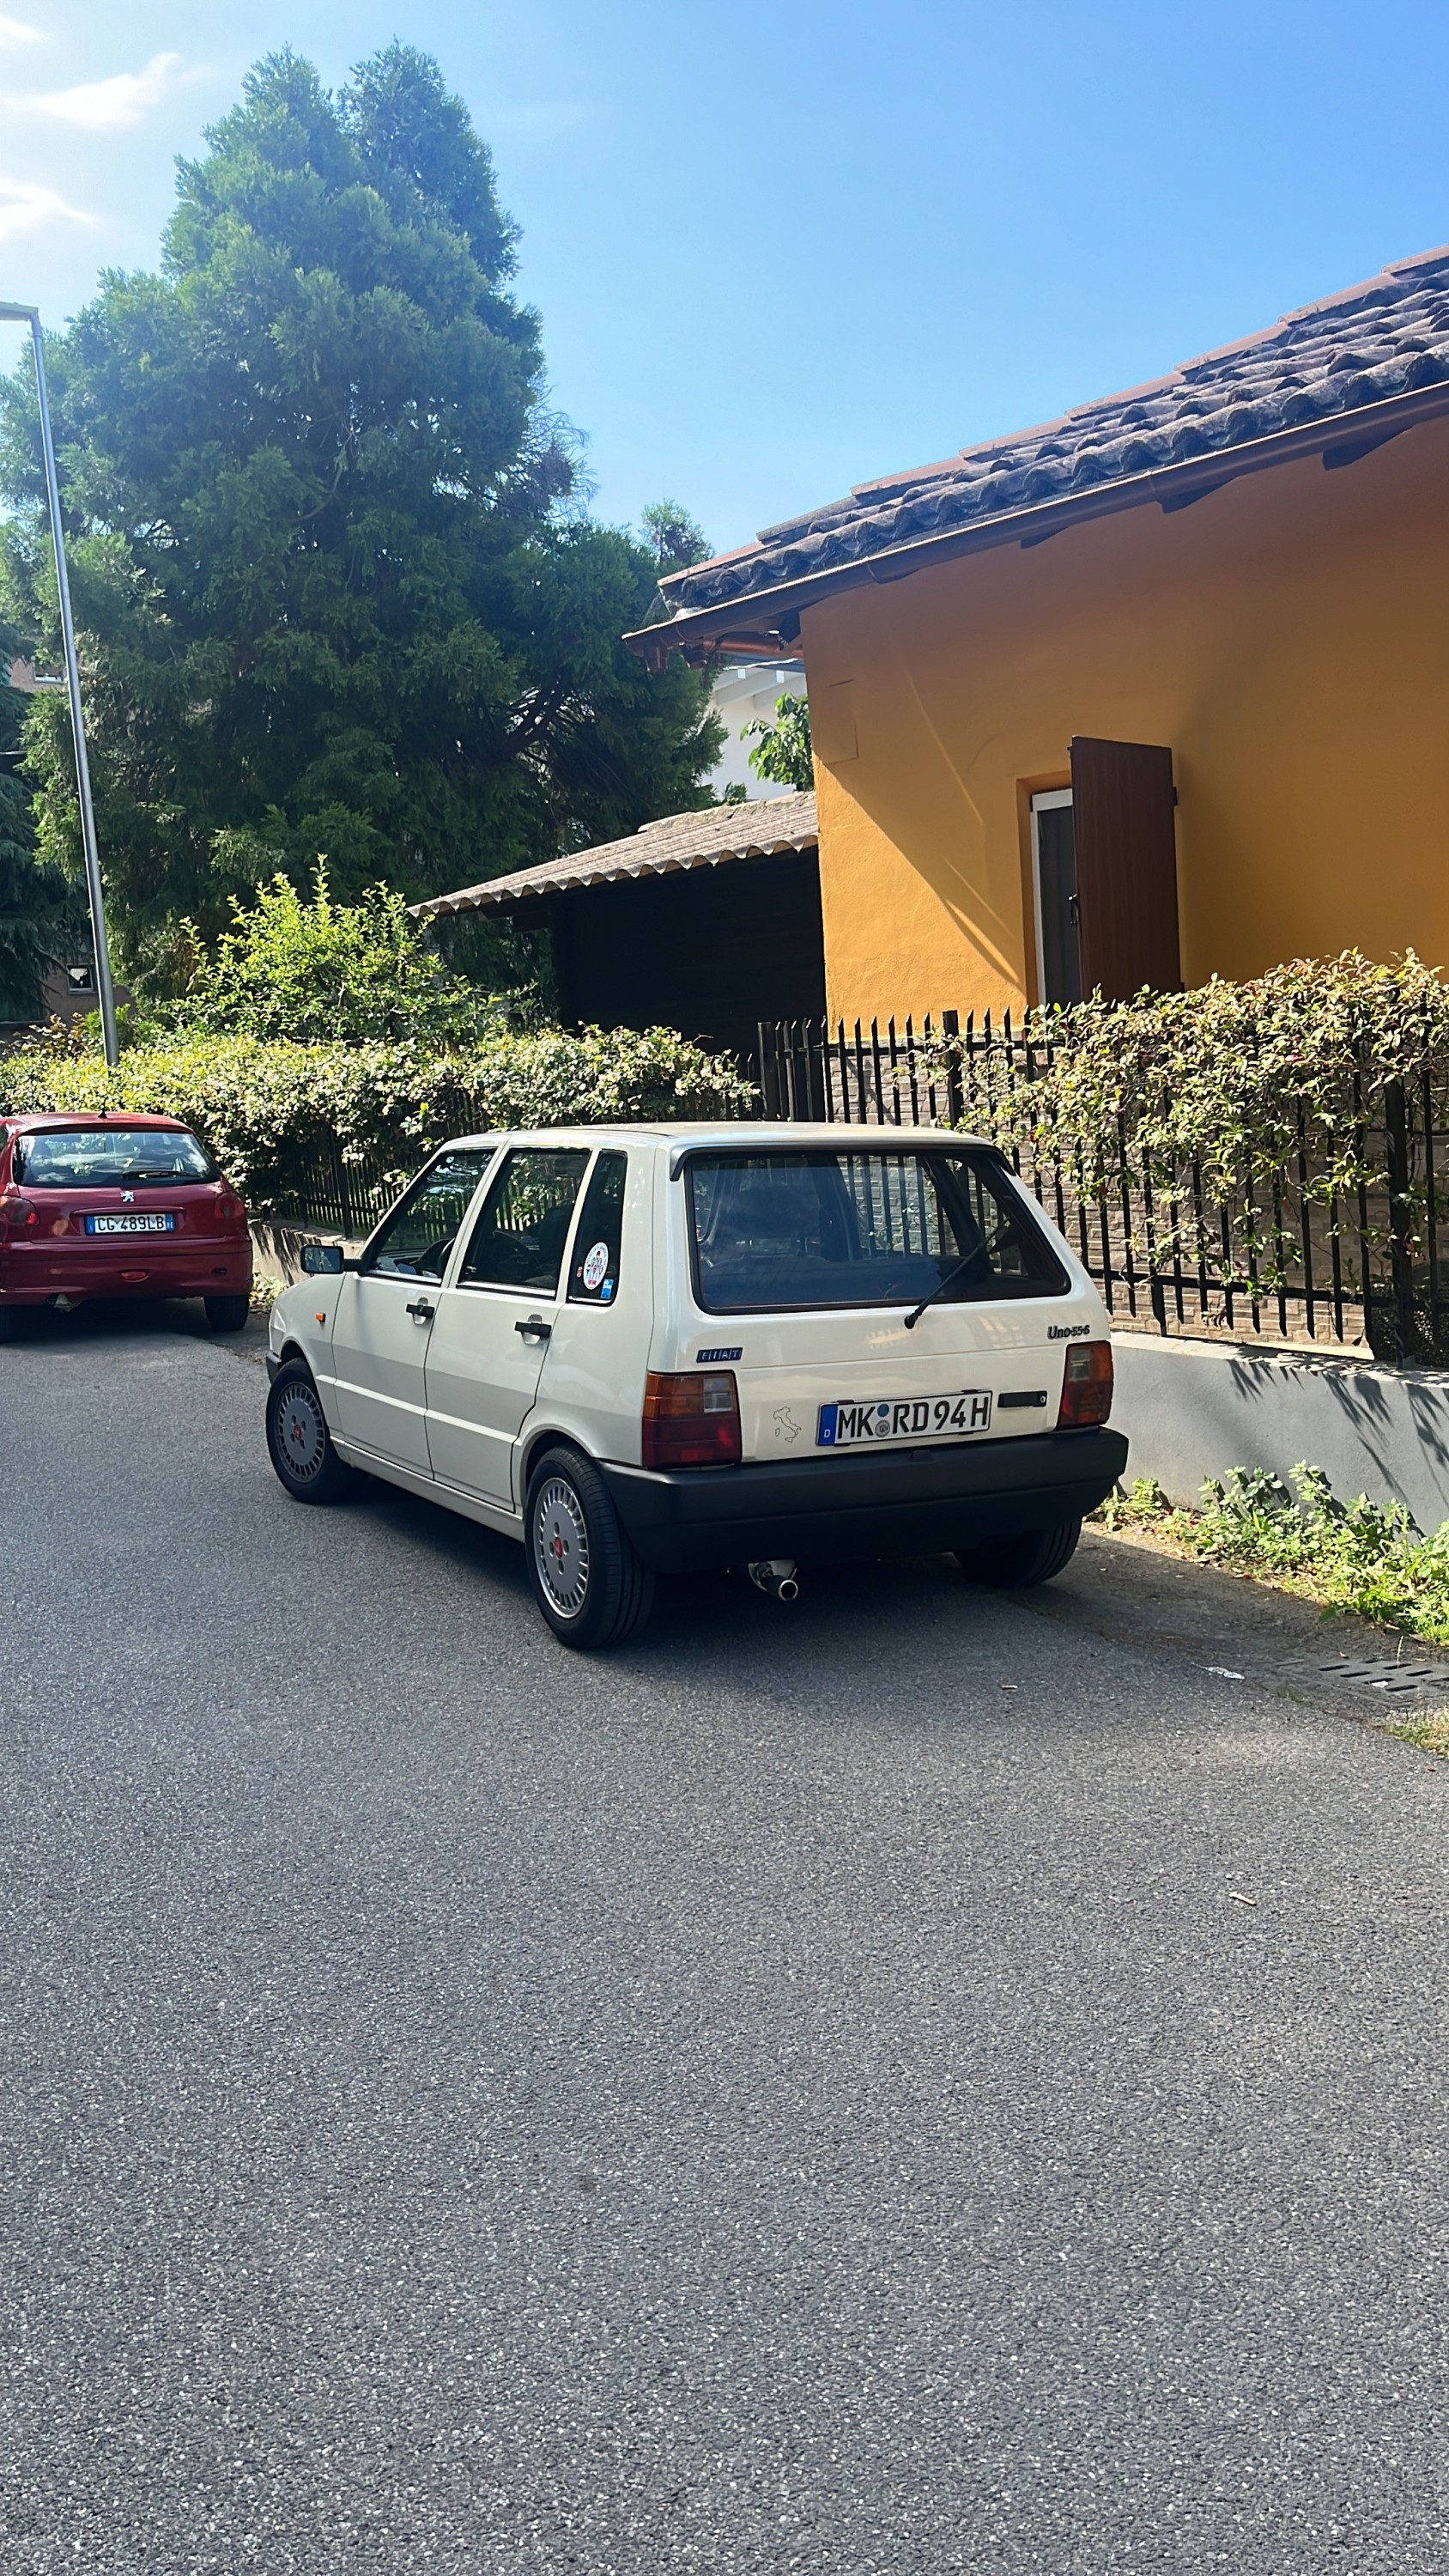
103 106
32 209
14 31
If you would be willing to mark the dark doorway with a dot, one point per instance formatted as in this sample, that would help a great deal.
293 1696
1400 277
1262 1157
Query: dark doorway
1054 889
710 951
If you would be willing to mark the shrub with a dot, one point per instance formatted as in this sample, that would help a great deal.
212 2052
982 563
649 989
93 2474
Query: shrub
269 1111
328 974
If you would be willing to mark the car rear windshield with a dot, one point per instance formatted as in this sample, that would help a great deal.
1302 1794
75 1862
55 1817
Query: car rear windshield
774 1231
104 1158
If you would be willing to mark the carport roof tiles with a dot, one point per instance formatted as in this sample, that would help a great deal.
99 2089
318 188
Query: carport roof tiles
760 828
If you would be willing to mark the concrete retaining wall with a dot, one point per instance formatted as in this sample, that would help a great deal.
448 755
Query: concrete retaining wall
277 1249
1194 1409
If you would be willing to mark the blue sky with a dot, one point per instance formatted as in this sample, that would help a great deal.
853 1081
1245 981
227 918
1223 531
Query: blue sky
781 249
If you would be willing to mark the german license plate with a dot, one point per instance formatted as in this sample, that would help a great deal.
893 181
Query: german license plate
849 1425
146 1221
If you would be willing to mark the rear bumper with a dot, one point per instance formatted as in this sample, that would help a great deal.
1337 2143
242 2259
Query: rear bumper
907 1502
31 1277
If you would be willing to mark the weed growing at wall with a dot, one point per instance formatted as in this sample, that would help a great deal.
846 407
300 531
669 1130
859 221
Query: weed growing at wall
1366 1557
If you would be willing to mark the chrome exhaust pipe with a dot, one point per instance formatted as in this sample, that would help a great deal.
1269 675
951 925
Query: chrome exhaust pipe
777 1576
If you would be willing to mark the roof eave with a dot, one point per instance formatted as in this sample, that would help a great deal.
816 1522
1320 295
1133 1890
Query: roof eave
504 893
751 623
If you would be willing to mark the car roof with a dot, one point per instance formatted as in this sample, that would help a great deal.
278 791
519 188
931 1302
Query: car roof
30 1122
744 1135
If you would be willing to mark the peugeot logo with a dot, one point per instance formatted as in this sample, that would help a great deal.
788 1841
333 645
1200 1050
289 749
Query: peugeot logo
128 1198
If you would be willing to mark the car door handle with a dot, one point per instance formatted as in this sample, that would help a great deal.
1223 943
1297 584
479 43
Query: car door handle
535 1324
423 1311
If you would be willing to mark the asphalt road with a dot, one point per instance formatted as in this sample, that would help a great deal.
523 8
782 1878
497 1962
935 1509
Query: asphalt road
799 2095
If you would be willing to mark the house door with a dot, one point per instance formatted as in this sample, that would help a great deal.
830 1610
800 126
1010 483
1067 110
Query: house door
1124 836
1104 875
1054 892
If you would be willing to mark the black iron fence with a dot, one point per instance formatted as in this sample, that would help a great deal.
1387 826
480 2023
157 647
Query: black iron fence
1290 1259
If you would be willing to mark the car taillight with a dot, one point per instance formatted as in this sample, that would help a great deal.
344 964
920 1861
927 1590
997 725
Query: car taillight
231 1211
18 1218
1086 1386
691 1419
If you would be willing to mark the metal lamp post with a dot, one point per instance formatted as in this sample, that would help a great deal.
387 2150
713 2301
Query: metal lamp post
27 313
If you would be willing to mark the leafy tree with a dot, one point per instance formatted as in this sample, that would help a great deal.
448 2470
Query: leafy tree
328 973
673 537
39 915
782 753
331 595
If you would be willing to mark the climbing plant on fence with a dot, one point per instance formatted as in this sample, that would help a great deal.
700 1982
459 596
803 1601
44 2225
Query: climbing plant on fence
1269 1155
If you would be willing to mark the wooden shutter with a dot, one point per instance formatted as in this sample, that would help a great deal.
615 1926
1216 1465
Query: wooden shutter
1126 849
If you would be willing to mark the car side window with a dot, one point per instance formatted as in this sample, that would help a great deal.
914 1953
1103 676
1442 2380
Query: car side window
419 1235
594 1270
522 1227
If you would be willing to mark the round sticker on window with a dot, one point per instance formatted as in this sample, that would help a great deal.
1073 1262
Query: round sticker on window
596 1262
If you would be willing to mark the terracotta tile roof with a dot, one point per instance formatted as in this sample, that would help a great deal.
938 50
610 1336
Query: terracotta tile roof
756 830
1381 343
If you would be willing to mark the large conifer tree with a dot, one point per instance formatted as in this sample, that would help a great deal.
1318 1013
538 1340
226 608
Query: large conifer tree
331 591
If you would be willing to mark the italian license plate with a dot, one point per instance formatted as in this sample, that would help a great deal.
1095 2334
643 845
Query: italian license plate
849 1425
146 1221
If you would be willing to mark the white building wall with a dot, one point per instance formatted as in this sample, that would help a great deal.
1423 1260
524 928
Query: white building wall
743 691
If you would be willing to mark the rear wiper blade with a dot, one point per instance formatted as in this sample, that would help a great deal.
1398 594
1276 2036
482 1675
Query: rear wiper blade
954 1273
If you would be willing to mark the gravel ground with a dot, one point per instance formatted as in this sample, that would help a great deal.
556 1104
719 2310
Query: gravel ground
802 2094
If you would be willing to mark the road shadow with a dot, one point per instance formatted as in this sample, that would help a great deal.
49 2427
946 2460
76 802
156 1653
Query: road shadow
701 1609
124 1321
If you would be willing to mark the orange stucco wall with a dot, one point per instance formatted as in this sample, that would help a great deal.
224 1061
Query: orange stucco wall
1288 637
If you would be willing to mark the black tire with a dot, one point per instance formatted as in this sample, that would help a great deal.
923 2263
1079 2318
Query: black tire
15 1321
227 1314
299 1442
1027 1556
586 1579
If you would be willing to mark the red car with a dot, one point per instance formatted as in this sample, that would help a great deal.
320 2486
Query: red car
118 1206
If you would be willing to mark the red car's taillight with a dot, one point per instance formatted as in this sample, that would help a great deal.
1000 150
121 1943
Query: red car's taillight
231 1211
18 1218
1087 1386
691 1419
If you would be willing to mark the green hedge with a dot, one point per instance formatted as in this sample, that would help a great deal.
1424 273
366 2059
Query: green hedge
271 1112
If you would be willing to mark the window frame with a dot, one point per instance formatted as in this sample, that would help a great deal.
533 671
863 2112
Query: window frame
587 1303
491 1179
367 1258
1047 800
990 1154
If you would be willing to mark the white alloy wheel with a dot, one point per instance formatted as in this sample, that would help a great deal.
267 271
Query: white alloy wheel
299 1442
561 1546
300 1431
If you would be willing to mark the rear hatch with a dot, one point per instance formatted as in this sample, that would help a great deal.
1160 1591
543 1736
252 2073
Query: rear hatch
113 1197
806 1265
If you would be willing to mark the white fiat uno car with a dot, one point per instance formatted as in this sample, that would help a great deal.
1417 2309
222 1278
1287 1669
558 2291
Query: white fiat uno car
662 1347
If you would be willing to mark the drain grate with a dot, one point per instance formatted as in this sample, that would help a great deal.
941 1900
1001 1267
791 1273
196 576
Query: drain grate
1396 1681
